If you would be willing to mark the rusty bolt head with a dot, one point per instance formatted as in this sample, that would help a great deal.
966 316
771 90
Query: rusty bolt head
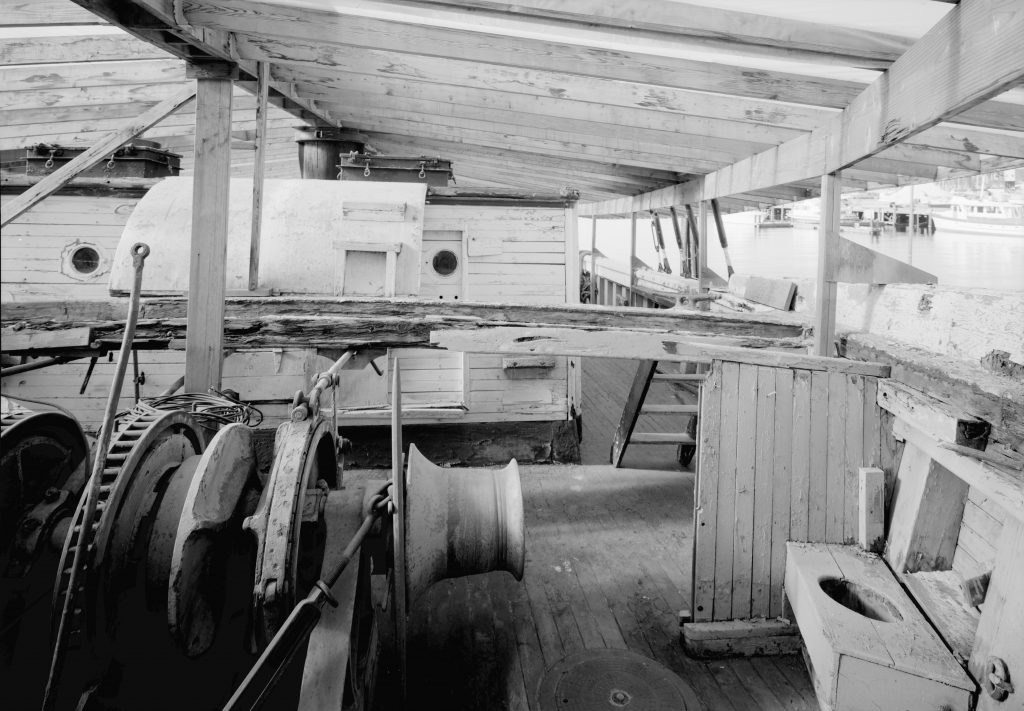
52 494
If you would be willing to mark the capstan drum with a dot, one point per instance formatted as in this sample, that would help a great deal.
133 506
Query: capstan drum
460 522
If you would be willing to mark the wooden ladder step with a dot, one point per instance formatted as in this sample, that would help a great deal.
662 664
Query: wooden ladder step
686 409
680 376
661 438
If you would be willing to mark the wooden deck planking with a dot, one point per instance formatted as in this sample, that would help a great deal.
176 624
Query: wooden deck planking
835 477
781 486
819 457
726 493
854 456
746 462
706 513
763 492
605 550
801 471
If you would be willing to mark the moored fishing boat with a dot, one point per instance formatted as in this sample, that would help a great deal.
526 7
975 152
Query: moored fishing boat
982 217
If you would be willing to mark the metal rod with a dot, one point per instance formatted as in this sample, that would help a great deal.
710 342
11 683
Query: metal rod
326 380
135 380
139 252
264 675
88 375
36 365
720 226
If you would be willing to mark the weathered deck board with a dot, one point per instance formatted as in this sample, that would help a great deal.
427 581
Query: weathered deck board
604 547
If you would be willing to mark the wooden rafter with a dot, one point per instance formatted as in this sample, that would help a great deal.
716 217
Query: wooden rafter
929 84
348 39
154 22
659 24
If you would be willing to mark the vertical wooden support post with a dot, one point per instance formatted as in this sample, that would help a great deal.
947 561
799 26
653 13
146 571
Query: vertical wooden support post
262 90
573 277
702 252
632 254
871 529
593 261
204 346
912 221
828 242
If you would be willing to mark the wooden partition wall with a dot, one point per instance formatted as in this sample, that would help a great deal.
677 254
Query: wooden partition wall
779 454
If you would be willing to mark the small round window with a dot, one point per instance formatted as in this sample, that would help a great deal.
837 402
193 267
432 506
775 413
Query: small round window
445 262
85 260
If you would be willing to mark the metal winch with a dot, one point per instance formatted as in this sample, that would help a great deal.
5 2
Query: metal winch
196 563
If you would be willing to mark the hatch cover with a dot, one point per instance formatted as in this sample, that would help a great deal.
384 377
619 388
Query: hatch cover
609 679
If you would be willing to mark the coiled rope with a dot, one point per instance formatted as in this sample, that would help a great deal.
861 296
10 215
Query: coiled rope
210 409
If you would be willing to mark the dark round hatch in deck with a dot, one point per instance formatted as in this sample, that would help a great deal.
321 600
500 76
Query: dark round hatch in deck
611 679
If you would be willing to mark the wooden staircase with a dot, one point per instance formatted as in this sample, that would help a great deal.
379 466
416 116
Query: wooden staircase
686 442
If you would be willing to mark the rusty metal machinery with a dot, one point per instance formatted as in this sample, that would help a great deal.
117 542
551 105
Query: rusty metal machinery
42 471
197 562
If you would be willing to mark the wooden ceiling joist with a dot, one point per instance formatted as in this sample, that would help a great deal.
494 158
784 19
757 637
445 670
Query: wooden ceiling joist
969 56
154 21
41 13
75 48
659 24
325 38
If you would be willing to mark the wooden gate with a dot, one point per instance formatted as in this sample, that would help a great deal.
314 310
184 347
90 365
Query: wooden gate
779 453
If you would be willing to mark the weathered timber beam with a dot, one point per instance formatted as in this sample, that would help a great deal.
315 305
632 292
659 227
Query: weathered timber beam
299 322
970 389
932 416
617 343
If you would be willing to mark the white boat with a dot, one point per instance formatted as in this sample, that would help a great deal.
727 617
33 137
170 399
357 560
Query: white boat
981 217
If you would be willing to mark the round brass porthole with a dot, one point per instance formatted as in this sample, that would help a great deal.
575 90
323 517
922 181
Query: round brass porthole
444 263
85 260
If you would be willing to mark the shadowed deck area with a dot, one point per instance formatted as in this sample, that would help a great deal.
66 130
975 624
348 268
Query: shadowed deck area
608 559
608 562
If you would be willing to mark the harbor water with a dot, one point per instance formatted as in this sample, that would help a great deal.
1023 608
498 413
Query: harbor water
979 260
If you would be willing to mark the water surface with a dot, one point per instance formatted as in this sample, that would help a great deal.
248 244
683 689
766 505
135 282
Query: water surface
989 261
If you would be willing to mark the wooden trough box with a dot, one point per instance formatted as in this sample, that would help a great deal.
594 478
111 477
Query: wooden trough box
868 646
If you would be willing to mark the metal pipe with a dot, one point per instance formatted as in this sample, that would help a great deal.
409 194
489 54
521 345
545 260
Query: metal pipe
720 226
173 387
691 221
139 252
36 365
659 243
